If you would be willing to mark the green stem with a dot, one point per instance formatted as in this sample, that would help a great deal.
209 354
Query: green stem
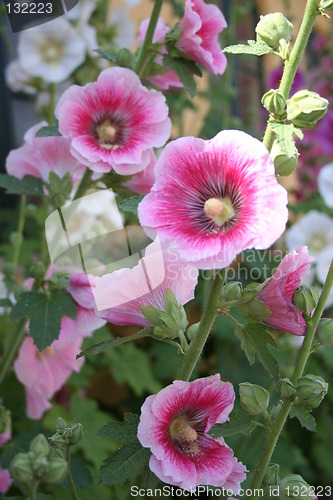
195 349
19 233
33 491
51 107
299 369
84 184
12 348
69 475
291 65
144 53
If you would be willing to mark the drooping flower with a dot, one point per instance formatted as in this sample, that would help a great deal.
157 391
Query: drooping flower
142 182
213 199
5 480
120 295
51 52
201 26
277 293
325 184
168 79
114 122
39 156
44 373
174 424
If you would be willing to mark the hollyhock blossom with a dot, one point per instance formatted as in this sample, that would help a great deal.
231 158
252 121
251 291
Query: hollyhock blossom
39 156
174 424
213 199
142 182
120 295
201 26
44 373
169 78
5 480
51 52
114 122
17 79
5 437
277 293
325 184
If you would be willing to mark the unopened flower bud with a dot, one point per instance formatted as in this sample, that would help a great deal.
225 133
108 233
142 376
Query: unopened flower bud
59 281
254 398
56 471
39 445
37 270
232 291
77 433
326 5
272 475
305 108
325 332
255 310
311 390
57 440
192 331
272 28
285 388
31 210
305 298
274 102
39 465
67 435
21 468
283 163
294 486
124 58
275 410
61 424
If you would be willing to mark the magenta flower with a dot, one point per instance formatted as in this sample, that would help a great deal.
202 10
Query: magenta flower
114 122
44 373
279 290
213 199
5 480
169 78
142 182
41 155
275 75
120 295
5 437
174 424
201 26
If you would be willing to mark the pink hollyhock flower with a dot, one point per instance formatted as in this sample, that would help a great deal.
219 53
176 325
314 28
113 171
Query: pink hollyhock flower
169 78
279 290
213 199
174 424
5 437
41 155
142 182
201 26
120 295
44 373
114 122
5 480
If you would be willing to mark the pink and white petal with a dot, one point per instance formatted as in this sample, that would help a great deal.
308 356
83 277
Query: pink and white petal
37 403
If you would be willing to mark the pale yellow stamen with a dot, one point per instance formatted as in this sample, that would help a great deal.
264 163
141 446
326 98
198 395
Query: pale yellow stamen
51 51
48 351
107 134
183 433
220 210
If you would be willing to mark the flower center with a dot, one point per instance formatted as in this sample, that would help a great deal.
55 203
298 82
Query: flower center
318 243
219 210
107 135
51 51
184 435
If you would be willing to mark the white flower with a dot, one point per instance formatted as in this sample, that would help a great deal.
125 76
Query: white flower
51 51
17 79
314 230
125 31
132 3
325 184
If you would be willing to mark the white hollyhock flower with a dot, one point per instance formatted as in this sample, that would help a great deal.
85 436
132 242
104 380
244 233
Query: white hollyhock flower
325 184
51 51
323 265
125 30
17 79
132 3
314 230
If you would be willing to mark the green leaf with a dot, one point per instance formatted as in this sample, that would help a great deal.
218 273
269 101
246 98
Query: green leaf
29 185
285 135
239 423
123 463
109 344
304 417
107 54
131 204
254 341
253 48
5 303
45 312
185 70
48 131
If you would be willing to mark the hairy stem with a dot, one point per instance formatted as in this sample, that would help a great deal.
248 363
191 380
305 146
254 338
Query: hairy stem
194 351
305 352
69 475
19 233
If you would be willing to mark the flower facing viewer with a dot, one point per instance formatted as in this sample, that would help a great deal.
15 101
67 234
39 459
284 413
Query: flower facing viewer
174 424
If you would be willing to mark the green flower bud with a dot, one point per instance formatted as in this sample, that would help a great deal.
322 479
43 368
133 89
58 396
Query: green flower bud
305 108
326 5
125 58
274 102
56 471
59 281
67 435
39 466
192 331
57 440
255 310
272 475
284 164
232 291
294 486
40 446
272 28
177 311
305 298
37 270
77 433
325 332
311 390
174 35
31 210
275 410
5 420
21 468
254 398
61 424
285 388
15 238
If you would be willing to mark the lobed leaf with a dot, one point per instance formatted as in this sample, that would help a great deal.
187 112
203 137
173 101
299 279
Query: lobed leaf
239 423
253 48
304 417
29 185
185 70
131 204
